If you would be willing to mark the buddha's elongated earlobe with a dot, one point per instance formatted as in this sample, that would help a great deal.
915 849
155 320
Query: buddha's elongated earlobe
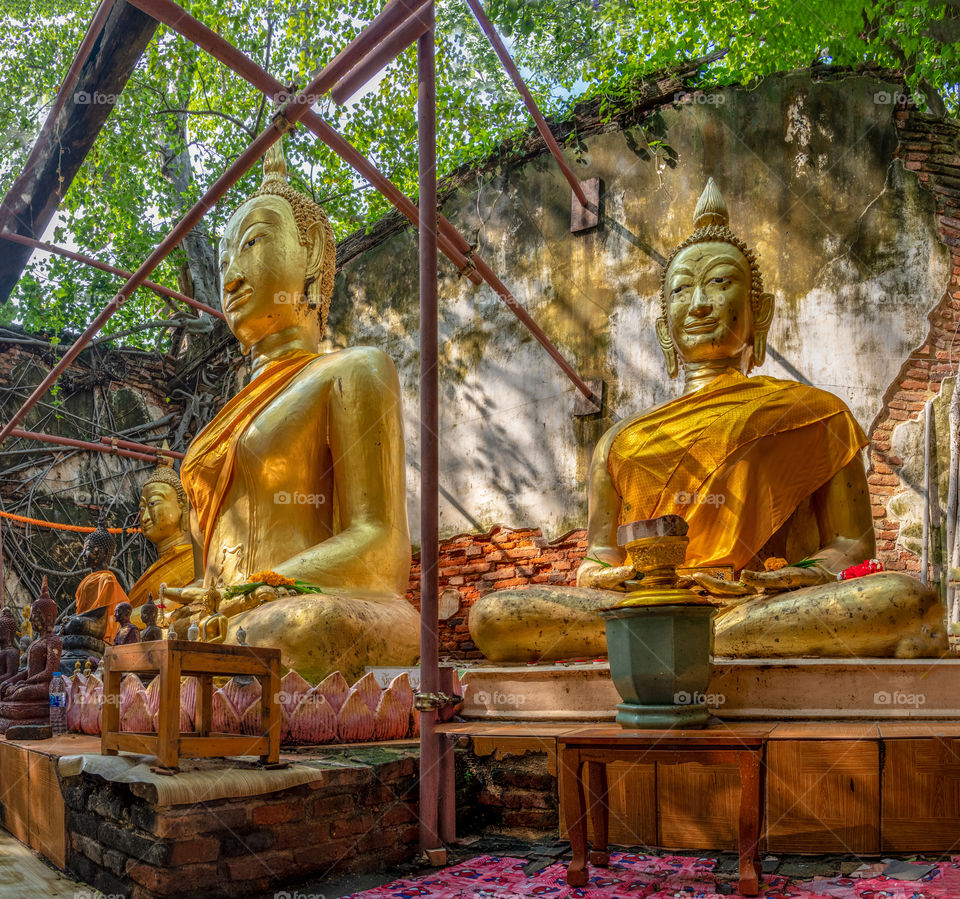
666 344
762 318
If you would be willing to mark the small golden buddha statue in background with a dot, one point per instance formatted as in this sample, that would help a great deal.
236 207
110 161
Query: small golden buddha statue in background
25 697
302 473
100 589
213 627
165 522
758 467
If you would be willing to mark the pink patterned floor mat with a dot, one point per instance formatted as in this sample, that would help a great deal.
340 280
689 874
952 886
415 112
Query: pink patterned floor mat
649 877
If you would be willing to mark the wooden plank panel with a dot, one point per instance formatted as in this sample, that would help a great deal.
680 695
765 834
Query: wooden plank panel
823 796
47 811
633 805
15 790
921 796
826 730
698 805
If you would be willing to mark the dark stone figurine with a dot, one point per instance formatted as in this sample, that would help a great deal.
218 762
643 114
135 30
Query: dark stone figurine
126 631
25 697
148 614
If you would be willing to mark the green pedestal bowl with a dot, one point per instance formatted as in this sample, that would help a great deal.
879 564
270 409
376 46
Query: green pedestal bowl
660 661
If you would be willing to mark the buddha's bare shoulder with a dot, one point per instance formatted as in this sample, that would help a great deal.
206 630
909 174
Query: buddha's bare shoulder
365 369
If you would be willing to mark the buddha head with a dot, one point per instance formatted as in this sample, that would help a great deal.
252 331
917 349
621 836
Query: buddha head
164 509
277 261
99 547
122 613
43 612
712 304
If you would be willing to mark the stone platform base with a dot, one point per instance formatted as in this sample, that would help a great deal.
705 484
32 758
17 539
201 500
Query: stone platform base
17 713
218 828
754 689
831 787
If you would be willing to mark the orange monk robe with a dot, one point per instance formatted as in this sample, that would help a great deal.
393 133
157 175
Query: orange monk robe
207 470
174 568
99 589
735 459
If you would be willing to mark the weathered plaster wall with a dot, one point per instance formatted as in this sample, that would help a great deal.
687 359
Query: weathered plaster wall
848 244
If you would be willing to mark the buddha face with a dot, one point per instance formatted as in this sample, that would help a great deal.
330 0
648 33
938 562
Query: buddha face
708 302
161 516
263 268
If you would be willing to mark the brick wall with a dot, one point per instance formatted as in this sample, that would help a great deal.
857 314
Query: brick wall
357 818
928 147
477 564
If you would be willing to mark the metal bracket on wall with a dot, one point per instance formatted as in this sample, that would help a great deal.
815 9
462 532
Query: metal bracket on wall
584 407
583 218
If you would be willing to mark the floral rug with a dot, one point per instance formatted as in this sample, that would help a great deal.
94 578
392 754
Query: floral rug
650 877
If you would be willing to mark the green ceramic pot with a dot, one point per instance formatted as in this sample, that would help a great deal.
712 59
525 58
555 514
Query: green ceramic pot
660 661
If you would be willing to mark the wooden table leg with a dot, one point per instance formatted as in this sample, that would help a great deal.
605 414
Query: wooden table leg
168 714
599 812
749 832
270 718
575 812
110 709
204 705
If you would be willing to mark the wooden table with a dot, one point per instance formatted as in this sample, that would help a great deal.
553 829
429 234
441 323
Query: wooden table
594 748
170 660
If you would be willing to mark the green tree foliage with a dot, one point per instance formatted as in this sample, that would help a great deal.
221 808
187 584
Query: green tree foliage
123 200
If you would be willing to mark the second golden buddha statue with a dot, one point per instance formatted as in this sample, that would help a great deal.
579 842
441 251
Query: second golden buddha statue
758 467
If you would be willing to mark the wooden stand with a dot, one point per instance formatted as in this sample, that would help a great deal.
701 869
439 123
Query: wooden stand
594 748
170 660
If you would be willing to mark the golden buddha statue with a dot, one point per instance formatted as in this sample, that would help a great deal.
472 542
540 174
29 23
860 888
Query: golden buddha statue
165 522
758 467
213 628
302 473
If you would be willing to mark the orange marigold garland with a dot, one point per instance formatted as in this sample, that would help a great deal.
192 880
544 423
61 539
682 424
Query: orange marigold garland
271 579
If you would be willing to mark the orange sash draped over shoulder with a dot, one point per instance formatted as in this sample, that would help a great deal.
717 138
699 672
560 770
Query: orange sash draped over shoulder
174 568
207 470
735 459
99 589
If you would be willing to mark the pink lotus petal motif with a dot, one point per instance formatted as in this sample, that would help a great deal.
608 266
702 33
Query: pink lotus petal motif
392 719
368 690
313 721
355 721
335 688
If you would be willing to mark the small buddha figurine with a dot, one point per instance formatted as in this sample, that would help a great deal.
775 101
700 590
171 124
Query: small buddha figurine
213 628
148 614
127 632
100 588
302 473
9 652
25 697
759 468
165 522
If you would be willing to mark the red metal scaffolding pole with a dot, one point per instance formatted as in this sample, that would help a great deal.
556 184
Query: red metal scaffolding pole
145 447
81 444
429 440
531 104
111 269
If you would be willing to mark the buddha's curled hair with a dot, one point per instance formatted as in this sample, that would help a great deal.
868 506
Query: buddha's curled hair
306 213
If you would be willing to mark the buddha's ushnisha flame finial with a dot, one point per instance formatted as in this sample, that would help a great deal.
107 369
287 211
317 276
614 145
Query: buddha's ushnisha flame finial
274 165
711 207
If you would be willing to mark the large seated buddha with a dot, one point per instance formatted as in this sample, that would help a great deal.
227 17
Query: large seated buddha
302 472
759 468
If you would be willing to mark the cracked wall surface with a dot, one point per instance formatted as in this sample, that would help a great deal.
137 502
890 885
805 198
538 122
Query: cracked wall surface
847 239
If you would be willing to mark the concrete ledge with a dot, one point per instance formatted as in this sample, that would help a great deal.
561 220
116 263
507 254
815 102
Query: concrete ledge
781 689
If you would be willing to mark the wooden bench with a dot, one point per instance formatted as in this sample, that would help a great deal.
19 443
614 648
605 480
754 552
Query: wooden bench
169 660
593 748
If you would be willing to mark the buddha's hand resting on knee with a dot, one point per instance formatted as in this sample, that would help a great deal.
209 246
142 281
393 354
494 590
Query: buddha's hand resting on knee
789 578
609 578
